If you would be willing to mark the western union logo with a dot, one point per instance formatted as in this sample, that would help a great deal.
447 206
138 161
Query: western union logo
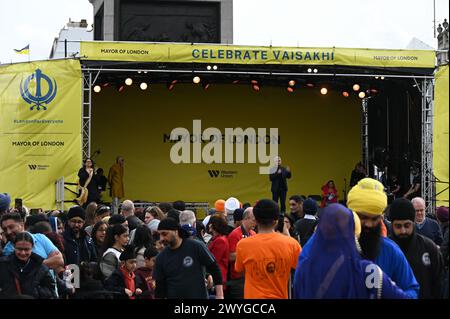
34 167
213 173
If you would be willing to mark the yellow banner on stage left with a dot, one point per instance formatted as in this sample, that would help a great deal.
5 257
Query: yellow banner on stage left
233 54
440 133
40 129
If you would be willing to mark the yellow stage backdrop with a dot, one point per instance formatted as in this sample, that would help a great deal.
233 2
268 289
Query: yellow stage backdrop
40 129
319 139
440 143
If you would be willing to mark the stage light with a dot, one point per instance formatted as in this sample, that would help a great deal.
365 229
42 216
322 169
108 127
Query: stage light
128 81
139 72
196 79
143 86
208 68
256 87
323 91
376 77
345 94
382 78
315 70
254 82
106 84
171 85
215 67
290 89
206 85
291 83
310 85
97 88
309 70
145 72
235 82
121 88
362 95
373 91
356 87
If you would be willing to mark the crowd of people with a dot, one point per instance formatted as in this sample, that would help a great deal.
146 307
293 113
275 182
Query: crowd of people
319 250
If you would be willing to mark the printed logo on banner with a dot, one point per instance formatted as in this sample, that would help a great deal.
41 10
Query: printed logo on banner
222 174
213 173
34 167
43 94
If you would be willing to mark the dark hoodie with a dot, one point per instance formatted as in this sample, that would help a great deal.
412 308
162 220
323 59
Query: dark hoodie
79 249
426 262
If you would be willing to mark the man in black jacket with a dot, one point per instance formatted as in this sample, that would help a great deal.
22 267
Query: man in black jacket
180 268
422 254
78 246
278 177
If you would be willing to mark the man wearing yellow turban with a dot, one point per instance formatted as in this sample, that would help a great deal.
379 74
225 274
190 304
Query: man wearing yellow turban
368 200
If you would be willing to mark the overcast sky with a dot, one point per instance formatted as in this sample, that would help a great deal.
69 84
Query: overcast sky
305 23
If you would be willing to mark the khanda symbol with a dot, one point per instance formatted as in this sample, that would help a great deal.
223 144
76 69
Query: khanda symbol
38 99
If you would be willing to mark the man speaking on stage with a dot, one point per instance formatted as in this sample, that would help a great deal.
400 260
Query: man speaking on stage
278 177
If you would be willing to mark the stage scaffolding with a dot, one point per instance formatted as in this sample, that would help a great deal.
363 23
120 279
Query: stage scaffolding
90 75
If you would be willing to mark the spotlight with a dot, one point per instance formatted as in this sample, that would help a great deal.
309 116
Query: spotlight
315 70
145 72
206 85
208 68
309 70
106 84
323 91
254 82
356 87
128 81
143 86
256 87
382 77
235 82
139 72
215 67
290 89
97 88
362 95
376 77
345 94
171 85
291 83
196 79
373 91
121 88
310 85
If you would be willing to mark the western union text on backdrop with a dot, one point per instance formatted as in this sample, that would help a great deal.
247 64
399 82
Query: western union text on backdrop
261 55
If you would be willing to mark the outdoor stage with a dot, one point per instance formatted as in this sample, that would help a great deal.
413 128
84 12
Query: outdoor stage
386 119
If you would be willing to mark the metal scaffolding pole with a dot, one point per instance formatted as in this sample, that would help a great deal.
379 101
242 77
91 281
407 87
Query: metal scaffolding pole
86 114
365 134
427 182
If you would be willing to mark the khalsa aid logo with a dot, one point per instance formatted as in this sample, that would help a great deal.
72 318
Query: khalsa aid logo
256 140
38 90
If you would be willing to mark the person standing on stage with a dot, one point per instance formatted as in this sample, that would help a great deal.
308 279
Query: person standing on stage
278 177
87 184
115 179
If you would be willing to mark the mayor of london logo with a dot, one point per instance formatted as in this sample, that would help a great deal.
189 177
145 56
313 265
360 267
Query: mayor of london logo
38 90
